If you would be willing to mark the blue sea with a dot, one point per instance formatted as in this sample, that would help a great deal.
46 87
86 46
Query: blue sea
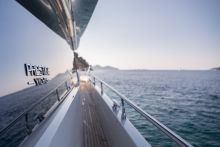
188 102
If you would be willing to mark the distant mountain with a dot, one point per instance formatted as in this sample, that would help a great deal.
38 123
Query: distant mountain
99 67
216 68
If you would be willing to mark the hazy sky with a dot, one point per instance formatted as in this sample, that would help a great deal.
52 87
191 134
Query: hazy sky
154 34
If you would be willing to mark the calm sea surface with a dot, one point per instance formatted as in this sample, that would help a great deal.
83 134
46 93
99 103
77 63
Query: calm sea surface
188 102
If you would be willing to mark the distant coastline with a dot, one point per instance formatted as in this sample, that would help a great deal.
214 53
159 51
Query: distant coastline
107 67
99 67
216 68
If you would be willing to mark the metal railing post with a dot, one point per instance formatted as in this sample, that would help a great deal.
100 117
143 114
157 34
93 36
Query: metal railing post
94 81
123 114
57 92
101 88
67 87
27 125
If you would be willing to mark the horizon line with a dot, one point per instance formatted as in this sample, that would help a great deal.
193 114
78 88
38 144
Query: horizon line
179 69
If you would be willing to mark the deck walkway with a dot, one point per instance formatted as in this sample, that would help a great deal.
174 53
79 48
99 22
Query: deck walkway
93 133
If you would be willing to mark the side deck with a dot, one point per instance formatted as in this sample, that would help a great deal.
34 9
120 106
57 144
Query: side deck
85 119
93 132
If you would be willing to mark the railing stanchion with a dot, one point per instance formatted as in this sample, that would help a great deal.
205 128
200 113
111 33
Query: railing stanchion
27 125
101 88
123 114
94 81
57 92
67 87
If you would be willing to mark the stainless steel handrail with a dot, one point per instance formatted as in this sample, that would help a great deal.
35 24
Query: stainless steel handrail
25 113
176 138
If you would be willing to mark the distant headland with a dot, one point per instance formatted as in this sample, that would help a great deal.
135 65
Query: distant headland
216 68
99 67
